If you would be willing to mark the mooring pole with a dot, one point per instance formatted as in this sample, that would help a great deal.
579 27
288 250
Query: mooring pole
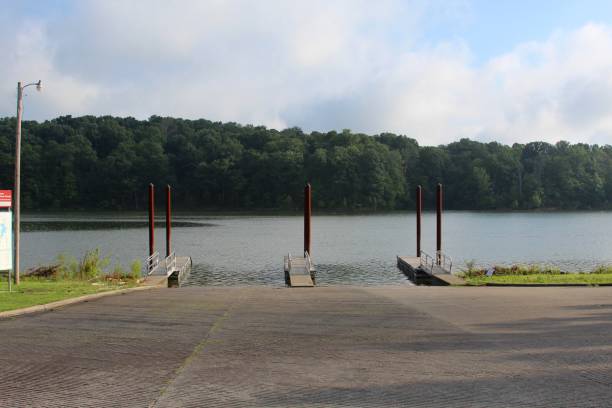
168 220
419 211
439 223
151 219
307 214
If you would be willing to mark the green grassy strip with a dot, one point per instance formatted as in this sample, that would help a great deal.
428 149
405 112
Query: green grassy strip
33 292
543 278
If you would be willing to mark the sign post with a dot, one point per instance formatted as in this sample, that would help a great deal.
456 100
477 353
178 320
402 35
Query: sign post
6 234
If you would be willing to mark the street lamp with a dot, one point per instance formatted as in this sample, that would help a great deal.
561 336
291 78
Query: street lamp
17 186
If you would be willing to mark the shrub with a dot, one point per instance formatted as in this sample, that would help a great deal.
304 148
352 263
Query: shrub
501 270
135 269
92 265
68 267
602 269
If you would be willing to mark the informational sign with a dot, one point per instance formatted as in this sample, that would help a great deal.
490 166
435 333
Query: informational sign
6 240
6 198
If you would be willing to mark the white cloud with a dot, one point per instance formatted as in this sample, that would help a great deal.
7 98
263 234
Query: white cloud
319 65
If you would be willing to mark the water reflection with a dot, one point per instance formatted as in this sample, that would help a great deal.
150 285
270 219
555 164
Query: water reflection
79 225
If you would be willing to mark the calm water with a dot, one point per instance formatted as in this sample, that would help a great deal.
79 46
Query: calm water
347 249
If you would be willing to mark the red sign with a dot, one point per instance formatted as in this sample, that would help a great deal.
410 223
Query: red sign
6 198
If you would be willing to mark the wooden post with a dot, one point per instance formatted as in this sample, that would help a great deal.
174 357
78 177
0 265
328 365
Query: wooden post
419 211
438 223
168 220
151 219
307 215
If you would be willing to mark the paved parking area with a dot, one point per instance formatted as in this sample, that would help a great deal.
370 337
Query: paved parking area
326 346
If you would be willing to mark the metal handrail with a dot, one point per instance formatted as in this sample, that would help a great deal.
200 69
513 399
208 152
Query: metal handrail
190 263
181 272
151 263
445 261
427 260
171 263
308 261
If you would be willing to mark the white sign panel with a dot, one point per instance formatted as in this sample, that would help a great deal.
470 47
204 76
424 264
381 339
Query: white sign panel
6 240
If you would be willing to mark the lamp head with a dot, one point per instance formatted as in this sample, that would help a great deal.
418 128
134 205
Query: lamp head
39 85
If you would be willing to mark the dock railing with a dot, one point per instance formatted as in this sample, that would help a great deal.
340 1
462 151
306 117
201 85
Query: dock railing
427 261
308 261
185 266
170 263
309 266
444 261
151 263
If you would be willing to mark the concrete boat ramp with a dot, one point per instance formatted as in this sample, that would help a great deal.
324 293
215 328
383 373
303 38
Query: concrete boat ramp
344 346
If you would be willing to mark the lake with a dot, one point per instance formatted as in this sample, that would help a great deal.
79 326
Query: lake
347 249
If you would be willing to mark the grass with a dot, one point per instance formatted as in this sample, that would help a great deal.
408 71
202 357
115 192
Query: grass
535 274
68 278
544 278
38 291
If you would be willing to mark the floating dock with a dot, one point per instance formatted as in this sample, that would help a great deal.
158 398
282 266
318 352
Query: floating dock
170 271
299 271
423 271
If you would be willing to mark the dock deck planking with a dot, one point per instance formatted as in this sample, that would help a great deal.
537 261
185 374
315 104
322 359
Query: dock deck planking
297 273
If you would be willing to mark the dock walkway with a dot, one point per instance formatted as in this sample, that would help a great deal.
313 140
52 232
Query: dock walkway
299 271
170 272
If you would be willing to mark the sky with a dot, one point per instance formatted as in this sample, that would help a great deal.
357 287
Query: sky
436 71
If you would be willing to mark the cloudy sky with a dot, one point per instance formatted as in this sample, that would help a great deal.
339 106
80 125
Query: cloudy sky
511 71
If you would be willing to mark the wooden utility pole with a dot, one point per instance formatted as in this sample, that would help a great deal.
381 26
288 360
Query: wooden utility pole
17 187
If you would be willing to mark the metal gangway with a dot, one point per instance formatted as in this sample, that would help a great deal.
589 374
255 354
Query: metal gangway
428 270
299 271
171 268
441 264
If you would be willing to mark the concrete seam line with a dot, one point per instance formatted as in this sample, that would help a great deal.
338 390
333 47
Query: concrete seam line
196 351
65 302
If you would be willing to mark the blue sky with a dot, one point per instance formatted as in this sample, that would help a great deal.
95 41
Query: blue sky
496 26
510 71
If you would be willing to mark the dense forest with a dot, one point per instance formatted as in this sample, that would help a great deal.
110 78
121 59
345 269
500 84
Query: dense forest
106 163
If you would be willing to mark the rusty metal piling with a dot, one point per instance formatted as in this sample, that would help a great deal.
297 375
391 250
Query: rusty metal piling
168 220
439 223
419 211
307 216
151 219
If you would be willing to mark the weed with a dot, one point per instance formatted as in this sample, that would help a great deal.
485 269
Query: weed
135 269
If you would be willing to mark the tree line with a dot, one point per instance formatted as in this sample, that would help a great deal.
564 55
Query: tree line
107 162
